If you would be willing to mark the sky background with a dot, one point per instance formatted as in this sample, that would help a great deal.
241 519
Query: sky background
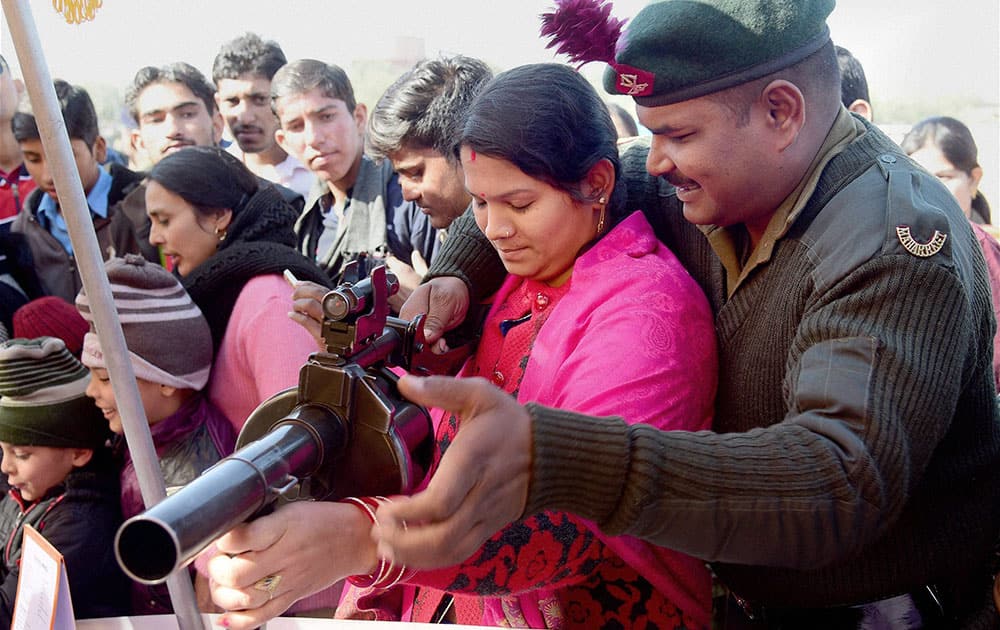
922 57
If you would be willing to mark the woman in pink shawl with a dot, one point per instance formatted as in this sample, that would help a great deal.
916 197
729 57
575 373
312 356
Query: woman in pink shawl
595 316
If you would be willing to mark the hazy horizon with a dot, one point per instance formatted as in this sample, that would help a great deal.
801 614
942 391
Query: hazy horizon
921 57
901 47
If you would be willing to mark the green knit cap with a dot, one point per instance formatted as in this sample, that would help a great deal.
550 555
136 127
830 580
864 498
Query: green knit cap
42 400
677 50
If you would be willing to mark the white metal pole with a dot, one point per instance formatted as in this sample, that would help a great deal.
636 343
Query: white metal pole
73 206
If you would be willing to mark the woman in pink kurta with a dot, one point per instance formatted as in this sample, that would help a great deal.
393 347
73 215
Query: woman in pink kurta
629 335
624 331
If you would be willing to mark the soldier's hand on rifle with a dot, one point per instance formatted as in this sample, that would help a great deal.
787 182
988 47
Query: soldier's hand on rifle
479 487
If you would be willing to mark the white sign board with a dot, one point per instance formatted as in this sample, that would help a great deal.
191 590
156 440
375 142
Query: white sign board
43 601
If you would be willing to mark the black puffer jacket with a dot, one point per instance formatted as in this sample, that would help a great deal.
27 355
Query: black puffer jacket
79 518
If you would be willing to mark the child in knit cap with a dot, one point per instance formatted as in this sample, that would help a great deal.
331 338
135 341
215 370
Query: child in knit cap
170 348
62 477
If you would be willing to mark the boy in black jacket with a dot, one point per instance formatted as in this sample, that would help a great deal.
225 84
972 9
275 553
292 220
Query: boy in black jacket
61 476
41 220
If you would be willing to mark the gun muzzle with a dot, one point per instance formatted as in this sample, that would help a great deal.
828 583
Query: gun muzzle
151 545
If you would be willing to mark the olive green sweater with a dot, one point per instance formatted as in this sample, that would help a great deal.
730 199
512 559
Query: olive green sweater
856 447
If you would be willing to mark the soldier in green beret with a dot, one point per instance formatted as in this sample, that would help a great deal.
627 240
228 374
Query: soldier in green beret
852 475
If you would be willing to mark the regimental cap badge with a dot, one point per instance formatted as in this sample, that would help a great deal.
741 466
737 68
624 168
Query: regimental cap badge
923 250
585 31
632 81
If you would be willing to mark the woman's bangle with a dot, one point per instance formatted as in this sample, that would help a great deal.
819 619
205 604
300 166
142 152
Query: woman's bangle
386 574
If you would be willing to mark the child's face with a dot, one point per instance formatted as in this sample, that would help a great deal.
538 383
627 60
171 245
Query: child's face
157 399
34 470
87 163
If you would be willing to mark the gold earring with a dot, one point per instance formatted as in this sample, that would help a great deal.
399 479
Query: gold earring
603 200
600 222
220 233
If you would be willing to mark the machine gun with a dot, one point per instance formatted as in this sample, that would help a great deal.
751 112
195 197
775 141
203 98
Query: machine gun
345 430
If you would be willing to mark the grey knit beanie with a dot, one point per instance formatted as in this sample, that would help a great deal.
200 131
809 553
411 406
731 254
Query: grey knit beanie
42 400
167 336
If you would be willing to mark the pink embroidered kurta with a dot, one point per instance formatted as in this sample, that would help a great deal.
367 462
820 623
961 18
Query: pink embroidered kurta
631 336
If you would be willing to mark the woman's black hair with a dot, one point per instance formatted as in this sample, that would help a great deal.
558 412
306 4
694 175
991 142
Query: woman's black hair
550 123
208 178
956 144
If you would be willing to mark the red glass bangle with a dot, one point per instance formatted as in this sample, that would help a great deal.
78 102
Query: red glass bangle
386 574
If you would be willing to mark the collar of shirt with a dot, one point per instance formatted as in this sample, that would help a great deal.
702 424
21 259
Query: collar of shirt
290 172
328 204
288 168
97 198
729 246
97 201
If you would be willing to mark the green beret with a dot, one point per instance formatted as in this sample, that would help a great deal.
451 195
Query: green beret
676 50
42 399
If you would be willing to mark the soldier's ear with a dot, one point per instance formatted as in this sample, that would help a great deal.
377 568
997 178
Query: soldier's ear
784 105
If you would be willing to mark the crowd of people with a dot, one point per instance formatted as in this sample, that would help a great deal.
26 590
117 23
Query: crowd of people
739 372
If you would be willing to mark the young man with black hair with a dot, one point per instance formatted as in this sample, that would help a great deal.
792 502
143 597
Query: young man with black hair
412 126
242 75
356 211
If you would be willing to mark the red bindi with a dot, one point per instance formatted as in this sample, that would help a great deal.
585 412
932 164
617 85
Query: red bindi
472 155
